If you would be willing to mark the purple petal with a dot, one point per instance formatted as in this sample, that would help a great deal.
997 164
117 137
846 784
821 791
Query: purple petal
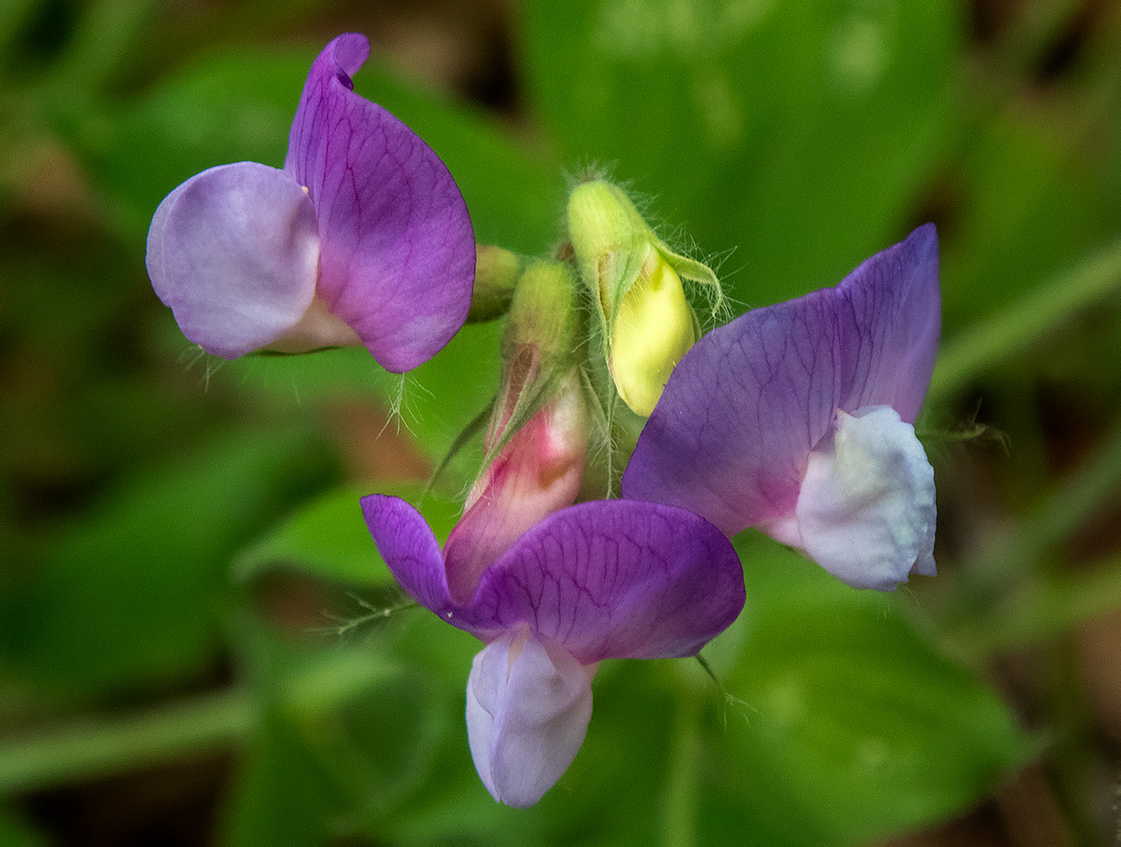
528 707
733 430
410 550
233 252
607 579
613 579
397 249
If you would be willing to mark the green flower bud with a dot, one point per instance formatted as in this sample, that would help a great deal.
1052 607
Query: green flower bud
543 311
496 274
538 348
609 238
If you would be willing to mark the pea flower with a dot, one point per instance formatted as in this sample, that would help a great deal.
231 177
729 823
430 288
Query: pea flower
598 580
363 236
798 419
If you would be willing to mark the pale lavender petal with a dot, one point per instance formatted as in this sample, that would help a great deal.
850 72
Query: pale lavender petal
528 707
233 252
398 251
613 579
733 431
866 512
410 550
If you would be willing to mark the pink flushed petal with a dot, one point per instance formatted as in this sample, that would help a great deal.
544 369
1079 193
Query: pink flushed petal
233 251
606 579
538 472
733 431
398 251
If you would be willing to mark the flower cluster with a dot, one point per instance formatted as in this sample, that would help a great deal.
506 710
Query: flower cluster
796 419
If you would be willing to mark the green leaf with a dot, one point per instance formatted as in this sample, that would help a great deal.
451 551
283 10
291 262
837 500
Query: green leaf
16 832
432 403
1032 204
352 736
135 589
847 717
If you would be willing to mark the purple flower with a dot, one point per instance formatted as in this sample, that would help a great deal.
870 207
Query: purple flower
599 580
363 236
797 418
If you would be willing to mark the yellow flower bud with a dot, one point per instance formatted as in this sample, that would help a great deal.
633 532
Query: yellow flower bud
653 329
635 279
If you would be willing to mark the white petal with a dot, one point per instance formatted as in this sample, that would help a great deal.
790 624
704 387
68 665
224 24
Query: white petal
528 707
866 509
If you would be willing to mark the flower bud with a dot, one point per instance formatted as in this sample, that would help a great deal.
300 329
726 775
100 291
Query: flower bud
536 473
538 436
609 238
653 330
543 311
496 274
635 280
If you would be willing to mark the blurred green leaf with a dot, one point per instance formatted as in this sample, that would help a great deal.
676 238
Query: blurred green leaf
101 746
848 718
432 403
1032 204
798 133
135 590
281 796
1012 330
15 832
351 734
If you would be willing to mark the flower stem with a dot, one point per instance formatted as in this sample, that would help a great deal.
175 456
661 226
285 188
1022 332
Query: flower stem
1010 331
681 802
103 746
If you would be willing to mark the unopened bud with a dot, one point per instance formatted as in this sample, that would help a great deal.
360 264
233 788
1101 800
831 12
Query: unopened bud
536 473
496 275
543 310
609 238
653 330
646 322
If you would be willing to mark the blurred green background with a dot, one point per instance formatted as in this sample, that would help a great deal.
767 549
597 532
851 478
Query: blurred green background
192 649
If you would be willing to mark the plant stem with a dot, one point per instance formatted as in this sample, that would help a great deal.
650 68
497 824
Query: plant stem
681 802
1010 331
99 747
